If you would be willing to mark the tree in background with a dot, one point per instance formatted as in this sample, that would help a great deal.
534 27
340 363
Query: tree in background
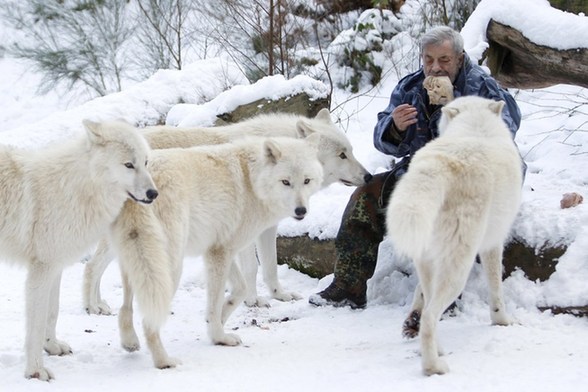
164 34
452 13
73 42
262 36
99 43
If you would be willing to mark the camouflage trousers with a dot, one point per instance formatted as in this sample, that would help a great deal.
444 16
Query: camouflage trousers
363 227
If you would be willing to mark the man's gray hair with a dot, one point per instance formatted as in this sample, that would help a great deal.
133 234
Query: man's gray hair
438 35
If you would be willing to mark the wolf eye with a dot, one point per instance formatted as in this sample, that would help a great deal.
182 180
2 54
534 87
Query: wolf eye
342 156
306 181
286 182
129 165
146 163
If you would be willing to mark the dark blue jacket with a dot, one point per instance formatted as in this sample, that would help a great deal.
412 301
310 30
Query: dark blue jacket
471 80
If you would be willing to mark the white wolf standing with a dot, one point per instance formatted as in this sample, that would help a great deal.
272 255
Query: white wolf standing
56 203
214 200
459 198
335 154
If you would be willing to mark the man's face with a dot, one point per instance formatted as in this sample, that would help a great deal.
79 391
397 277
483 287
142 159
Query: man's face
441 60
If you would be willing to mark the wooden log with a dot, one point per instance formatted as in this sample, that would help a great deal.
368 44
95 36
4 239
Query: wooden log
517 62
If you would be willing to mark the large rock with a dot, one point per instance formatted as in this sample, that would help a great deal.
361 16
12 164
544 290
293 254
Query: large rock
317 257
575 6
297 104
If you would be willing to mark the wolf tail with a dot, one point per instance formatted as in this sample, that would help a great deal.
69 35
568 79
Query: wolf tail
144 261
413 209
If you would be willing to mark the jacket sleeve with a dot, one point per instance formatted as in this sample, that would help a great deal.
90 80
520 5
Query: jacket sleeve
386 136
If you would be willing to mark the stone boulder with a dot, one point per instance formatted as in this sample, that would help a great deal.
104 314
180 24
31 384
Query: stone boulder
300 104
317 257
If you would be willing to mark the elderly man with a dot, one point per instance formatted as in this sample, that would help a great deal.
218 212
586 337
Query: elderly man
407 124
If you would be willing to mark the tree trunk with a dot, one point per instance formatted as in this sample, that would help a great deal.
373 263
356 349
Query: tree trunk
517 62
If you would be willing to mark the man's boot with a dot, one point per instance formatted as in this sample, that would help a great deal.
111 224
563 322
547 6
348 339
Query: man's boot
362 229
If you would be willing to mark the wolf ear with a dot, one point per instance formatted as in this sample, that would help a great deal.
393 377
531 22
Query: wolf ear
303 129
450 112
93 130
324 115
272 151
314 140
496 106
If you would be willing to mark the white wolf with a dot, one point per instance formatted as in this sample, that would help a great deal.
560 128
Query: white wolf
335 154
459 198
56 203
214 200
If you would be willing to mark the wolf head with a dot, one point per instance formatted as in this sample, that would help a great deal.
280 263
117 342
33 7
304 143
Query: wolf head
120 155
473 113
335 152
287 173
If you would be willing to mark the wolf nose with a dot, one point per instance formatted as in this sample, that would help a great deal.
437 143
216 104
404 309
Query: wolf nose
300 212
152 194
367 178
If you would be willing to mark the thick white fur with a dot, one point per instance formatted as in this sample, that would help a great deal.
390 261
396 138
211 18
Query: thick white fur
214 201
458 199
57 202
335 154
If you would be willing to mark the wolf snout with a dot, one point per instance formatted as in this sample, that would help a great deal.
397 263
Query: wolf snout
152 194
299 213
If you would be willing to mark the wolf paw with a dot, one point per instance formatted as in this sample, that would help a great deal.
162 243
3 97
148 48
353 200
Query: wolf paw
41 373
131 346
500 318
99 308
57 347
258 302
168 363
436 367
228 339
411 326
286 296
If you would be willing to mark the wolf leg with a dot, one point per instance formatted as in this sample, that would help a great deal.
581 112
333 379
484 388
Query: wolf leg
431 363
161 359
40 279
218 265
441 280
128 337
411 325
238 288
248 262
268 255
492 263
53 346
93 272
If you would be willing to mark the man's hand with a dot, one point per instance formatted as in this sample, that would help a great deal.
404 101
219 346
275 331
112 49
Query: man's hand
404 115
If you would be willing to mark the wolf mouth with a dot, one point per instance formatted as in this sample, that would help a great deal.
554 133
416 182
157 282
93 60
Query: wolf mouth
144 201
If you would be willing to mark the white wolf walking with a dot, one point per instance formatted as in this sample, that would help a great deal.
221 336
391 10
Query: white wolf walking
459 198
335 154
214 200
56 203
